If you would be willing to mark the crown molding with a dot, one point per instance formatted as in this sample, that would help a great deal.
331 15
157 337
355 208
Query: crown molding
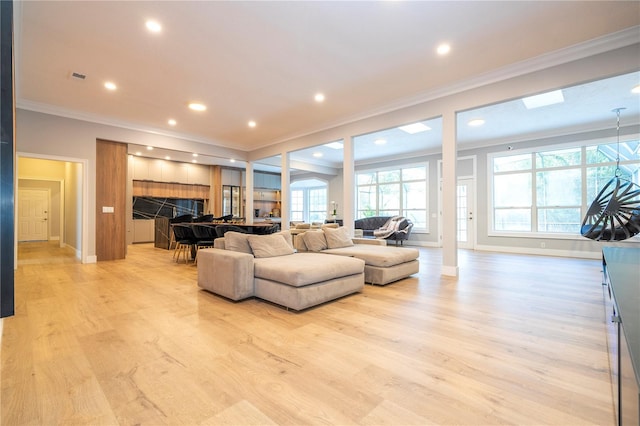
609 42
572 53
98 119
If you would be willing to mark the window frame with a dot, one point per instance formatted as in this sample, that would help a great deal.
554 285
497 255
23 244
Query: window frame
534 170
306 201
401 203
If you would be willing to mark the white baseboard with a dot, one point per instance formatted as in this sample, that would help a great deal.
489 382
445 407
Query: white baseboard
91 259
418 244
450 271
542 252
57 238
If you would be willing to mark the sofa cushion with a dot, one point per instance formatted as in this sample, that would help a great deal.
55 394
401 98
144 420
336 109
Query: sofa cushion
337 238
269 245
287 236
237 241
315 240
301 269
382 256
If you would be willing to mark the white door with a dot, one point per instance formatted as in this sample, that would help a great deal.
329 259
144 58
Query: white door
466 220
33 214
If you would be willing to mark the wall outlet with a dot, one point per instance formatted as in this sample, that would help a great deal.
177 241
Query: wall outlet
106 209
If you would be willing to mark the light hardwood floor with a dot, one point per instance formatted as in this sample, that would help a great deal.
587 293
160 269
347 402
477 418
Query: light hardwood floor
515 340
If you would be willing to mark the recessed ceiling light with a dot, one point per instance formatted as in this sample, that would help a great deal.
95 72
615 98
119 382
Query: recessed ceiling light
149 148
443 49
195 154
167 158
153 26
317 154
194 161
543 99
334 145
252 124
172 122
138 153
319 97
414 128
380 141
636 89
232 160
476 122
197 106
110 85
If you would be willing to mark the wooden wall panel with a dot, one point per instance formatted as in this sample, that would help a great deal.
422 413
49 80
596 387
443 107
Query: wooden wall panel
111 185
143 188
215 205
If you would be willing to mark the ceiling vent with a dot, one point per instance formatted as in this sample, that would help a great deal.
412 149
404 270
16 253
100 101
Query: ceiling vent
78 75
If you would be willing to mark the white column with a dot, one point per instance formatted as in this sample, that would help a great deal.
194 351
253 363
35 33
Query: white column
285 192
449 199
348 184
248 196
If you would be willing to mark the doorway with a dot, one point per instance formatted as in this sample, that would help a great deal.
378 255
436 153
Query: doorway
60 217
466 229
33 215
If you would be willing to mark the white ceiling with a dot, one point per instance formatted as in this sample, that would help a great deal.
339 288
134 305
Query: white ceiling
264 61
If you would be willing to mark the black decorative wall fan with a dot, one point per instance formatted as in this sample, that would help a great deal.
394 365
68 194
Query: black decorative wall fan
614 215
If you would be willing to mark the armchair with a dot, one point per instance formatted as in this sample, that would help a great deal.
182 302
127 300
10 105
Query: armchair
397 228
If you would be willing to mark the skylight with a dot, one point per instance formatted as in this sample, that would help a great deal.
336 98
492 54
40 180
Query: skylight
544 99
414 128
334 145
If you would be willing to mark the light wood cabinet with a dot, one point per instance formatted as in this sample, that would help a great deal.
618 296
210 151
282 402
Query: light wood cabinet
155 170
199 175
169 190
143 230
169 171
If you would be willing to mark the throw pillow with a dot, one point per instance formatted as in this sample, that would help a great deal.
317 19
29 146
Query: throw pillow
287 237
314 240
269 245
237 241
338 237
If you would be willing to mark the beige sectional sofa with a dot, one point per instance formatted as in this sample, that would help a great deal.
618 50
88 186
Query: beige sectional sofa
383 264
265 266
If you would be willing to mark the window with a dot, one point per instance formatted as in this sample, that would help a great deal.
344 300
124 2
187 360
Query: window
548 192
297 205
309 201
390 192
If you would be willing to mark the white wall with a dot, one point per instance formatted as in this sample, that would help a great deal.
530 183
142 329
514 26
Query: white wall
55 136
50 136
74 228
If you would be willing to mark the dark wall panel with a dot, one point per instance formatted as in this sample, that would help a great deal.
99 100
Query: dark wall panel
7 160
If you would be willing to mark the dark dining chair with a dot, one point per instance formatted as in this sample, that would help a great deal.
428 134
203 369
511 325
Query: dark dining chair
186 242
223 229
226 218
203 218
205 235
268 229
185 218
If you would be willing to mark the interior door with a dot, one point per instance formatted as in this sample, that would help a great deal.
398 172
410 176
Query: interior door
33 214
466 221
